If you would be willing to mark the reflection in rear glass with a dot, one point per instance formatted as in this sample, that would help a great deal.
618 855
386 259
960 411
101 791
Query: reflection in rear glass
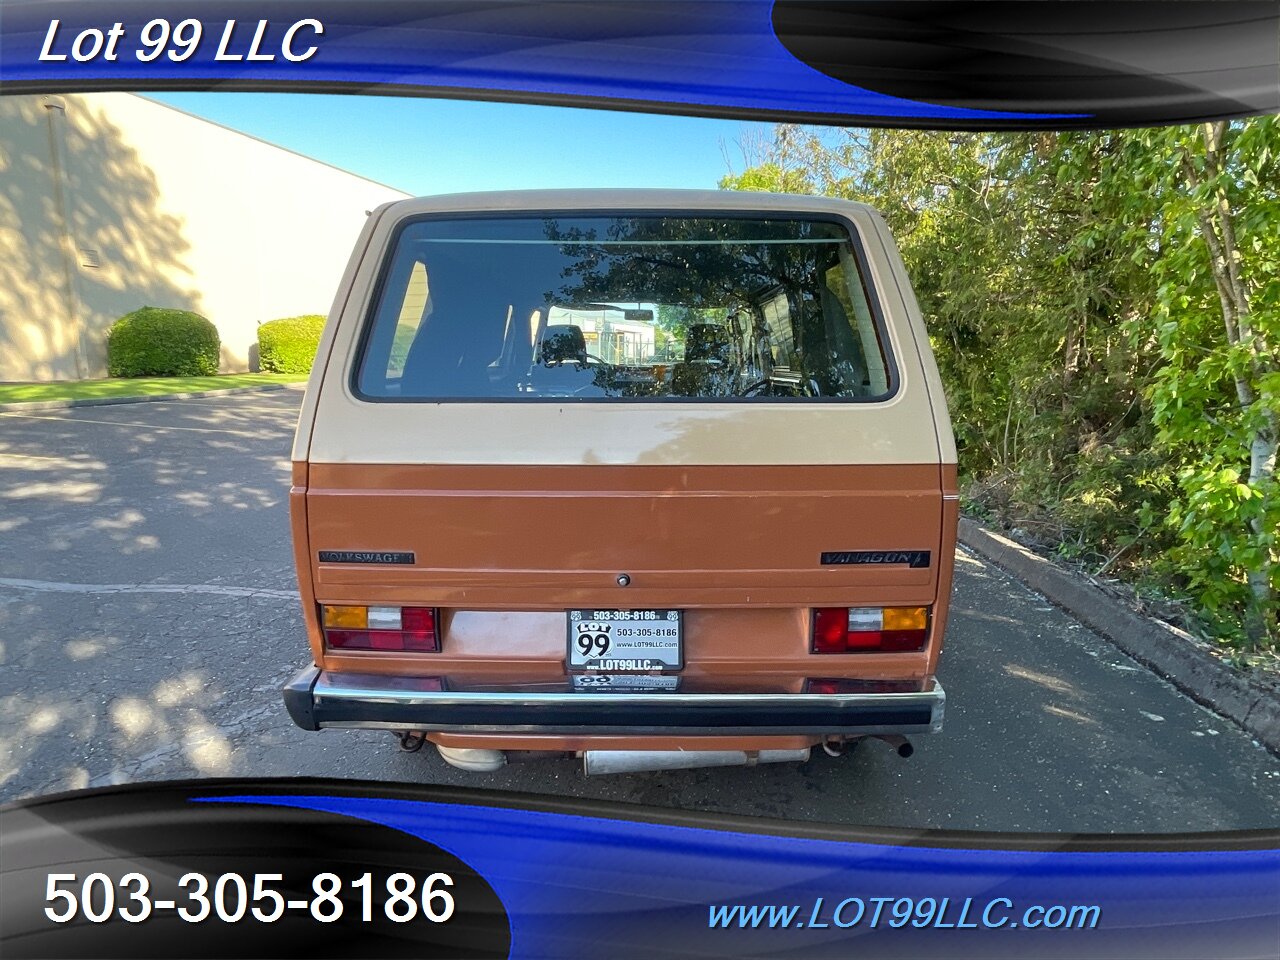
623 307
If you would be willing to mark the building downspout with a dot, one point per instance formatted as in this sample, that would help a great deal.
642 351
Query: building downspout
56 114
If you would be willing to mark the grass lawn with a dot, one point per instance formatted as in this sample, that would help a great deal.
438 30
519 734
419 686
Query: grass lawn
137 387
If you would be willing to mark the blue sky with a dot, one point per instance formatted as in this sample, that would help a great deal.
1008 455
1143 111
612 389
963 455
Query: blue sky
427 146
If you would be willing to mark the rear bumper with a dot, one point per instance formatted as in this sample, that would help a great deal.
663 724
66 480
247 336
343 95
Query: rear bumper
317 699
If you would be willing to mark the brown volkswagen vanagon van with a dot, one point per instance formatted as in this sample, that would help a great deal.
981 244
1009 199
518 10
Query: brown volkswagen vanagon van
655 478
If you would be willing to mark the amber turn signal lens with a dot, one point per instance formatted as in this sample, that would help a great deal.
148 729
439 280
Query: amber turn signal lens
349 618
905 618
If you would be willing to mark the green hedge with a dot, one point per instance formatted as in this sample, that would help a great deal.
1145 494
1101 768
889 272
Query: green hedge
161 342
289 345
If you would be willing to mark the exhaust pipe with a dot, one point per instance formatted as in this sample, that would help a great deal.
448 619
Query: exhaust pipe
899 743
599 762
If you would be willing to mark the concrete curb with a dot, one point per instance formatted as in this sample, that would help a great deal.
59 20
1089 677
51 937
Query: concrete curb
35 405
1171 653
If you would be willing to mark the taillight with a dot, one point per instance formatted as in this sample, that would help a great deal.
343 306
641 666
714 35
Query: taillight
380 628
840 685
869 629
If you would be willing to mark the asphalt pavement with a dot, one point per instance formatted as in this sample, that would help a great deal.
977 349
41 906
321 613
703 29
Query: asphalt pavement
148 617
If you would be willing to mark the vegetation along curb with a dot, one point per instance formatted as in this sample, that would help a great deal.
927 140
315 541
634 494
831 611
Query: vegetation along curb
1170 653
109 401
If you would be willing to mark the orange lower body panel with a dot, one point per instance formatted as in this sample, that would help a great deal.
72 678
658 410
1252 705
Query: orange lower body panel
504 552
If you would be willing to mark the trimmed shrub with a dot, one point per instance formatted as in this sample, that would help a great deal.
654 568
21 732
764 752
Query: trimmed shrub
161 342
289 345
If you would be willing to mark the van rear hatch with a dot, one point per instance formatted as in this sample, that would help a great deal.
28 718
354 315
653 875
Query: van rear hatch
526 411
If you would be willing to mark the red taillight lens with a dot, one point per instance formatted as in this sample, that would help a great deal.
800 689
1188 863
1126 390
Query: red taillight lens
869 629
829 686
830 629
381 628
419 628
901 640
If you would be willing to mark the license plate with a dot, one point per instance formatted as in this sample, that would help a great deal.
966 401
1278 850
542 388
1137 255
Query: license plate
625 682
625 641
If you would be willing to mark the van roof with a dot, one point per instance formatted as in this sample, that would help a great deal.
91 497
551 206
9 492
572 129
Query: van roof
622 199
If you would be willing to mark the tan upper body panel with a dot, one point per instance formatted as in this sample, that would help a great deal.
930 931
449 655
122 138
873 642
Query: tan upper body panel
337 427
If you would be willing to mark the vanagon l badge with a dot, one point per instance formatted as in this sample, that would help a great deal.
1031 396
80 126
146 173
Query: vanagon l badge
916 559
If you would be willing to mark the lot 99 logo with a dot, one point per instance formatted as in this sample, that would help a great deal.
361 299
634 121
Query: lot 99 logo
593 638
181 41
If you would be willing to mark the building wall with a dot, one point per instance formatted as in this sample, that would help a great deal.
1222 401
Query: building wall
110 202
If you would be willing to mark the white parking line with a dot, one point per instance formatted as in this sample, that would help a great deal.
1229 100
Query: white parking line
211 403
146 426
57 586
33 456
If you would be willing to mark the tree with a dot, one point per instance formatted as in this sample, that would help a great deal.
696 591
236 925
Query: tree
1217 395
1104 307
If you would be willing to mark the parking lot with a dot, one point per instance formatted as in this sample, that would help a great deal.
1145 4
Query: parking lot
148 617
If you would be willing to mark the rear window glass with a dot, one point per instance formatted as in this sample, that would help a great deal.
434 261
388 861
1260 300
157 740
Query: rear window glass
637 307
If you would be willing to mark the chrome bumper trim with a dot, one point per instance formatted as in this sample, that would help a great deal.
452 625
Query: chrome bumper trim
317 699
